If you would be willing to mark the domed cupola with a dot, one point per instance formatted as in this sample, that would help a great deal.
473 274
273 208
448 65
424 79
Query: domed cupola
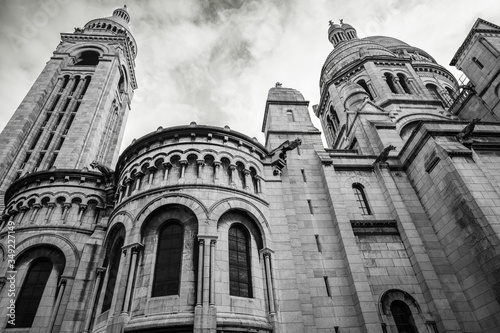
340 33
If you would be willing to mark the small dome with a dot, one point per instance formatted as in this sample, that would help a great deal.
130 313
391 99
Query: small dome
284 94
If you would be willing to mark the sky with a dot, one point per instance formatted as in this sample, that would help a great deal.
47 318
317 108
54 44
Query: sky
214 61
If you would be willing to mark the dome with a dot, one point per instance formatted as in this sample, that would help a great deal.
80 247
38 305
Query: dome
397 46
349 52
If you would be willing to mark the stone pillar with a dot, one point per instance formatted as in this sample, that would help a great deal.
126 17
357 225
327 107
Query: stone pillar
259 185
90 310
248 179
232 169
199 288
138 178
269 282
128 183
55 309
217 165
66 207
35 209
212 272
23 209
131 276
167 166
200 164
81 210
121 190
152 170
183 168
50 210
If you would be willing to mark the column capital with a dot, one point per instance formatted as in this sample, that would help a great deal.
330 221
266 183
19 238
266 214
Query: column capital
183 162
207 238
82 206
246 172
152 168
167 164
63 282
266 251
200 162
139 174
67 204
217 163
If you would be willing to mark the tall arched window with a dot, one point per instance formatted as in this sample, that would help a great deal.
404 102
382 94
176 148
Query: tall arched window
359 192
289 114
112 272
434 91
390 82
240 277
168 260
477 62
363 84
403 317
31 293
403 81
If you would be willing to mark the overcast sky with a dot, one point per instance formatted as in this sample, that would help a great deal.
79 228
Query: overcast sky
213 61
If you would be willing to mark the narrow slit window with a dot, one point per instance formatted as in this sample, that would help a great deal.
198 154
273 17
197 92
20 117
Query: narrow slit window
65 107
33 144
478 63
303 172
289 114
51 136
318 243
309 203
327 286
55 103
52 161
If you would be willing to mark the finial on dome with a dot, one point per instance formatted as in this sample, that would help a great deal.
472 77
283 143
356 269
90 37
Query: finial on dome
278 84
330 23
341 21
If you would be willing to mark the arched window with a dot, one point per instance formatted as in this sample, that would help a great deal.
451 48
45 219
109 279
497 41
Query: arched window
88 58
363 84
112 272
331 127
402 317
240 278
31 293
359 192
168 260
403 81
450 92
434 91
390 82
335 116
289 114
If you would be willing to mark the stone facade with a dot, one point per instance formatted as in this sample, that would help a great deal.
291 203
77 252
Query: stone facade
355 237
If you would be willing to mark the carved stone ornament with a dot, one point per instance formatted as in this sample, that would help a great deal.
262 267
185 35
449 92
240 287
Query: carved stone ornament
382 158
465 134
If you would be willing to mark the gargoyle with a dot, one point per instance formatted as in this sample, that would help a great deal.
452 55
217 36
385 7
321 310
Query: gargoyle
286 146
467 131
106 171
382 158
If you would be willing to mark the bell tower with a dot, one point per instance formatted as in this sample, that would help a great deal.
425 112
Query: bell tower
76 110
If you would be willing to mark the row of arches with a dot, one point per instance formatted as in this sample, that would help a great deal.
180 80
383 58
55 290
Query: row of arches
114 29
54 209
189 167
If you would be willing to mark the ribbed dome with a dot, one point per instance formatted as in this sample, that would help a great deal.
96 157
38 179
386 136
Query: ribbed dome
350 51
396 46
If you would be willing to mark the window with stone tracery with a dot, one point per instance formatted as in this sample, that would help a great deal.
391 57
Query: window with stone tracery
240 278
168 260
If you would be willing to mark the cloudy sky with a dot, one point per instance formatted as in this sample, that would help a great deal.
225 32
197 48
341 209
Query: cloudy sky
213 61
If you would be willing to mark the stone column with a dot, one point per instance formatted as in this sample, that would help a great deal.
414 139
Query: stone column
269 281
200 164
217 165
248 179
183 168
121 190
232 169
66 207
167 166
55 310
131 276
128 181
50 210
23 209
152 170
81 209
138 178
212 272
88 318
259 185
35 209
199 288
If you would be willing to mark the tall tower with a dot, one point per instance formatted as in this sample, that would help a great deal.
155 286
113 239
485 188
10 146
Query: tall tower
76 110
